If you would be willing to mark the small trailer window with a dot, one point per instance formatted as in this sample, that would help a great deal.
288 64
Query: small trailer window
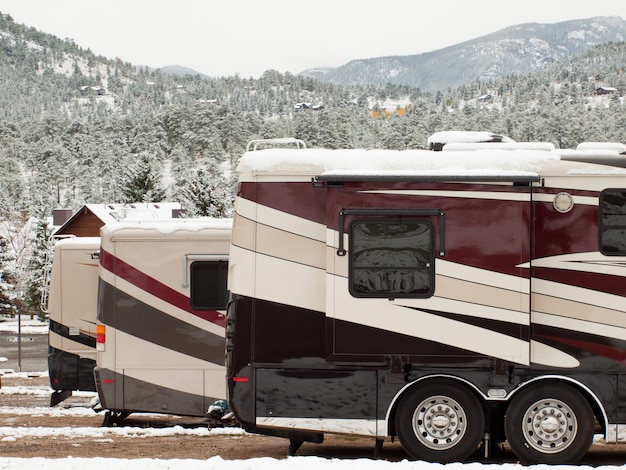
391 258
208 285
613 222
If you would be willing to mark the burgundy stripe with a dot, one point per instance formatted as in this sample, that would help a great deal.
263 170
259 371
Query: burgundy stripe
499 238
600 282
288 197
156 288
610 352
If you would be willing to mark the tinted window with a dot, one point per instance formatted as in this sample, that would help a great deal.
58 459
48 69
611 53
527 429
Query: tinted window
613 222
208 285
391 259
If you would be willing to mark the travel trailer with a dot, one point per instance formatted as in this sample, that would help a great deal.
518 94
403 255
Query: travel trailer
450 299
161 315
71 307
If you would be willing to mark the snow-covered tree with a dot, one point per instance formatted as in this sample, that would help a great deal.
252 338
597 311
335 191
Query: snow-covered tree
7 280
34 279
206 194
143 181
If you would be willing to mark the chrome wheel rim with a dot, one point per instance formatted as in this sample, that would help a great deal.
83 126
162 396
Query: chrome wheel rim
549 426
439 422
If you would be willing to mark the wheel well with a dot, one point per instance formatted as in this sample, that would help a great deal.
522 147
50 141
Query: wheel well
496 410
587 394
391 420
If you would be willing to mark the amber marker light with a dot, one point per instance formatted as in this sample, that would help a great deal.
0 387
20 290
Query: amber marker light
101 335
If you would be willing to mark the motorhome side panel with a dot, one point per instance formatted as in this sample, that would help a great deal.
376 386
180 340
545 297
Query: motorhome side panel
162 291
299 310
493 294
72 314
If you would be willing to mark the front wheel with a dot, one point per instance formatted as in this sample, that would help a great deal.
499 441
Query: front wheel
549 423
440 422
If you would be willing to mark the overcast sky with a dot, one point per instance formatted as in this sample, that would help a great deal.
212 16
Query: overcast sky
246 37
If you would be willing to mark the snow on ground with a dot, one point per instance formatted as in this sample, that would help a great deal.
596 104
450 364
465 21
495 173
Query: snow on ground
11 434
217 463
28 326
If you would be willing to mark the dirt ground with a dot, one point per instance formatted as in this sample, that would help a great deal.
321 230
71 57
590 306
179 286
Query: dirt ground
229 447
168 447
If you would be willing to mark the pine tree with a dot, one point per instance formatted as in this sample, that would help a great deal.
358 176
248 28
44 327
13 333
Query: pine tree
7 281
206 194
142 182
35 266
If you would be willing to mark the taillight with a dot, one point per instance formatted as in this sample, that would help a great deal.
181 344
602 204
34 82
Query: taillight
101 336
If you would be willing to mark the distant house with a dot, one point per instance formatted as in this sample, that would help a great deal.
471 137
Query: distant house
86 90
87 221
605 90
305 106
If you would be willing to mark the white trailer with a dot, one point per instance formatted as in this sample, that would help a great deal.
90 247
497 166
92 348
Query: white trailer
71 309
161 316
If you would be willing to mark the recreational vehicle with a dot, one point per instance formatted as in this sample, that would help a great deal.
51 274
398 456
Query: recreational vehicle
160 316
72 316
450 299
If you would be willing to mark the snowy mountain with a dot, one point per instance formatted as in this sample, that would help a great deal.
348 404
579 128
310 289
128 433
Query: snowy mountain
518 49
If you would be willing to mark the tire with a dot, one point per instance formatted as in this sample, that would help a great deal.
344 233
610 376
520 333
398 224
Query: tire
440 421
549 423
114 419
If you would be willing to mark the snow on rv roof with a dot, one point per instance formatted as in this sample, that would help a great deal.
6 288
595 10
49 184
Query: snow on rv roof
316 162
140 210
168 226
616 146
466 137
547 146
79 242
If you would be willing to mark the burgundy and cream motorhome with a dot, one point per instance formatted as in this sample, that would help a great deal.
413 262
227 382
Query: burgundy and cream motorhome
161 314
451 299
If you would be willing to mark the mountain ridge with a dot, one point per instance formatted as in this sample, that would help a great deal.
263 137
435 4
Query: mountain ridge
516 49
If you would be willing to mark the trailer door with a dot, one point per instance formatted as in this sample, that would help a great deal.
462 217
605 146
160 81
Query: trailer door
430 270
575 298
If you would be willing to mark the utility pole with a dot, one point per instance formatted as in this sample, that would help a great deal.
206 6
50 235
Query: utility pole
19 332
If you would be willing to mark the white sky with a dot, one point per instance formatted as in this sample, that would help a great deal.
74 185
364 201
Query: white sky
247 37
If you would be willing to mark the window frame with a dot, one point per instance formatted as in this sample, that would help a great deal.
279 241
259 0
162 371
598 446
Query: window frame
222 274
602 228
390 295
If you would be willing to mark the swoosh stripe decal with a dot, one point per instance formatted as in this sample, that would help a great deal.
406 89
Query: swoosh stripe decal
64 332
128 314
515 330
610 352
157 289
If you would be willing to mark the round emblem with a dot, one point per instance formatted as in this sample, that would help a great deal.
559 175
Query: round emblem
563 202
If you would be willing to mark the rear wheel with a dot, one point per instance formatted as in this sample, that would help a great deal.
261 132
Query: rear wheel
549 423
114 418
440 422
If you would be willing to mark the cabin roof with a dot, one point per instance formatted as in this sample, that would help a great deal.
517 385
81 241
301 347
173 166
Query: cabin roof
87 221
